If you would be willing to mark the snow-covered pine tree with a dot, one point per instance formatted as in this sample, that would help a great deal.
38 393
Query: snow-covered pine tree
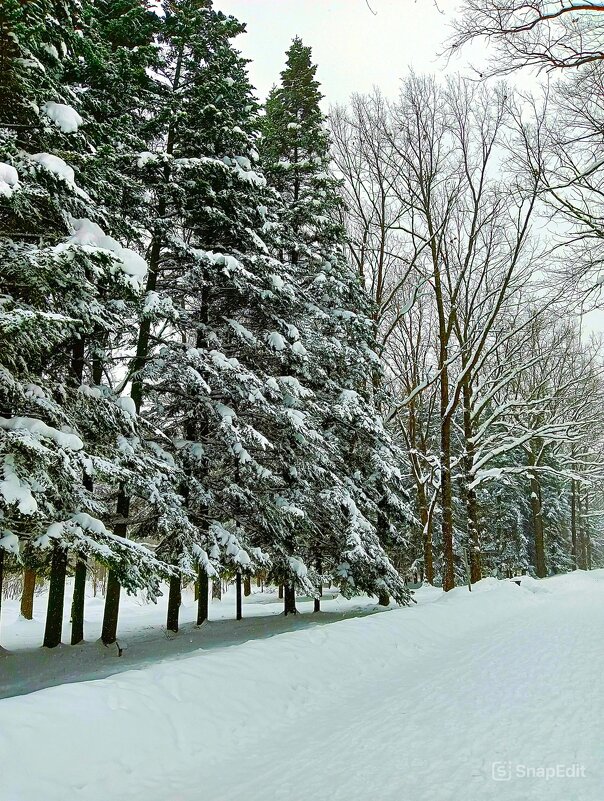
209 364
356 506
62 281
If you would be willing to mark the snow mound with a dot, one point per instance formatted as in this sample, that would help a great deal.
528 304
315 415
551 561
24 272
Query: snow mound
88 234
9 179
38 429
56 166
531 584
64 116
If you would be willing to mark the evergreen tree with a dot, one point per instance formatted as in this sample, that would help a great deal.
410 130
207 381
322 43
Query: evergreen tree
353 499
63 282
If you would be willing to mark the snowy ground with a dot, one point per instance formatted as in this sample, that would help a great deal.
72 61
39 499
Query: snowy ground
456 699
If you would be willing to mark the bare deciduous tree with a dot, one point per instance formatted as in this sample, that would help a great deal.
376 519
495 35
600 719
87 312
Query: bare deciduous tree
545 34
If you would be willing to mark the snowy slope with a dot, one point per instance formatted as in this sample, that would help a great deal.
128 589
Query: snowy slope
415 703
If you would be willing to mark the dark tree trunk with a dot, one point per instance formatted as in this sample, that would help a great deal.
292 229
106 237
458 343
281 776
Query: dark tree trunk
281 591
77 603
472 513
27 595
289 600
216 589
112 608
79 586
540 568
247 585
202 598
383 599
446 501
174 601
238 596
112 597
317 603
56 598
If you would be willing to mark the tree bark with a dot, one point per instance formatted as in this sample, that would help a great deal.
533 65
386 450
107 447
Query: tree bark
281 591
56 598
112 597
202 598
446 502
289 600
238 595
573 521
112 608
317 603
77 603
540 567
174 601
247 585
383 599
426 539
27 595
472 513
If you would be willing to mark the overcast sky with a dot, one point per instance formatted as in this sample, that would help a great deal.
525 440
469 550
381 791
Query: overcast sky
354 48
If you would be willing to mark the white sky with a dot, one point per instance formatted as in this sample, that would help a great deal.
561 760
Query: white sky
355 49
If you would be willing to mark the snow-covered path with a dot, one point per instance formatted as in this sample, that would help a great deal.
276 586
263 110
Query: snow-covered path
142 635
421 703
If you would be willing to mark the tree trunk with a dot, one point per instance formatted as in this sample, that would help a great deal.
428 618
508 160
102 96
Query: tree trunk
216 589
427 540
383 598
247 585
56 598
573 521
238 595
112 597
202 598
472 514
27 595
317 603
289 600
583 532
540 567
77 603
446 501
112 608
280 591
174 601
